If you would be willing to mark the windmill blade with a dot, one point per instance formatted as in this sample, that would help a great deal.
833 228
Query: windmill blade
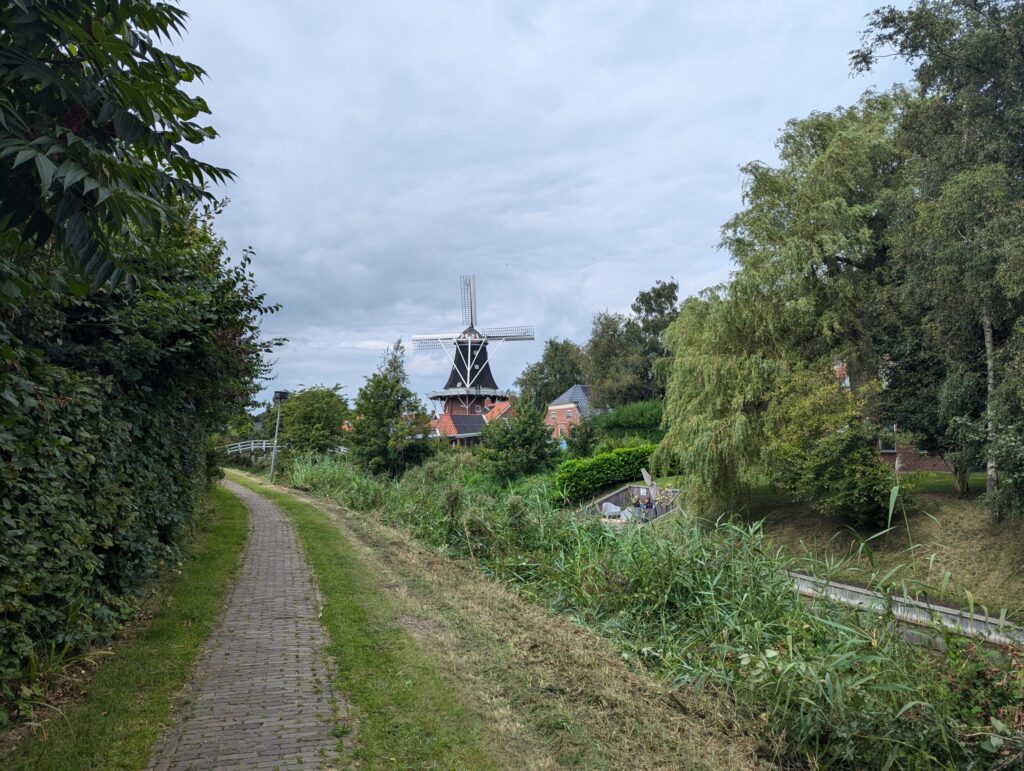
467 297
509 333
464 300
432 342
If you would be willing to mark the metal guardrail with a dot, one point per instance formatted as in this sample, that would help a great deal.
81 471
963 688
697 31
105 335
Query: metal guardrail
992 630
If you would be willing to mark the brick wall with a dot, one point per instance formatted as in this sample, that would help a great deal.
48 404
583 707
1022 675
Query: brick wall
912 460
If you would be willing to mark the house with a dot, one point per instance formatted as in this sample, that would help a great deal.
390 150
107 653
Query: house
461 429
568 410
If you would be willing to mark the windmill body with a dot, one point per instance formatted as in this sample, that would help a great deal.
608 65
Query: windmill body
470 388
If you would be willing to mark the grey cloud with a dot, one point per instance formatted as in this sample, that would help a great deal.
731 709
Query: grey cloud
568 153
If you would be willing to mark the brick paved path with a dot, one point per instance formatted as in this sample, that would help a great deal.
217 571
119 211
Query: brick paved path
260 697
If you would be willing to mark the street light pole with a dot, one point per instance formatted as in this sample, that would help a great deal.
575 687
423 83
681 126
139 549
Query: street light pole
279 397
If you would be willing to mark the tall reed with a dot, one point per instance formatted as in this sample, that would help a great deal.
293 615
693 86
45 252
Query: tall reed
714 605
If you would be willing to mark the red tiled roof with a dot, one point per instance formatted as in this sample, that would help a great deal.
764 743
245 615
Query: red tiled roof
501 409
444 425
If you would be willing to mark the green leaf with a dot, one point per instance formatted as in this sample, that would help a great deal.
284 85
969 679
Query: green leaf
46 169
71 172
992 743
22 156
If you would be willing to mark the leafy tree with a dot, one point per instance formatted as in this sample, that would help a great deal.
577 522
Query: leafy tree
312 419
966 136
814 235
621 361
617 368
110 390
95 128
561 366
582 439
934 390
110 396
810 247
390 427
959 241
655 309
520 445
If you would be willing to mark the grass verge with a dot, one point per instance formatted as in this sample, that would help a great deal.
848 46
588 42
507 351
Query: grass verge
944 545
409 713
118 713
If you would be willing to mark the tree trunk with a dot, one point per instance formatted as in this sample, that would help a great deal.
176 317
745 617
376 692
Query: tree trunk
961 481
991 473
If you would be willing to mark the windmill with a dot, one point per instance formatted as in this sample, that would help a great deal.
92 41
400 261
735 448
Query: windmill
470 383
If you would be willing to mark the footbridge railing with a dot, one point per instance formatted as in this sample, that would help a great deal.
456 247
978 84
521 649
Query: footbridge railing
253 446
250 446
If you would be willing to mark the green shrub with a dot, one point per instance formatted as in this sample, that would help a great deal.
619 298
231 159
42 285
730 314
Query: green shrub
582 440
518 446
823 451
578 479
608 443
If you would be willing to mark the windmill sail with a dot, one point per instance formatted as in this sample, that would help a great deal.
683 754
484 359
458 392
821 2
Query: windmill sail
467 294
470 383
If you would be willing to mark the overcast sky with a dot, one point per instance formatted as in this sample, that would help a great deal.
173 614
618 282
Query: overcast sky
567 153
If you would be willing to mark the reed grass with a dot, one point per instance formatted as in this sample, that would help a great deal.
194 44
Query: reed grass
713 604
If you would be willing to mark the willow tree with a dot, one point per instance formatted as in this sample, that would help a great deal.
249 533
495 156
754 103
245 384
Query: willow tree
809 247
715 397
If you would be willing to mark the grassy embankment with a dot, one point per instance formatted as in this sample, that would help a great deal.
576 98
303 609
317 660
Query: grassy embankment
711 606
446 668
110 718
943 547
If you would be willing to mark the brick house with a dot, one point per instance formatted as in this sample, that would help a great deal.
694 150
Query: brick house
568 410
905 457
465 429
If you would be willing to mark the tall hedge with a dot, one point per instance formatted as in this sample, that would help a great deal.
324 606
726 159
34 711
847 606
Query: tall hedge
578 479
106 398
642 419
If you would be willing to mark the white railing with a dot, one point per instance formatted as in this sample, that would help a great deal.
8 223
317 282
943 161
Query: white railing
250 446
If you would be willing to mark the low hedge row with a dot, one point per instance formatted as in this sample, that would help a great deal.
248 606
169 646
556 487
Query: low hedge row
581 478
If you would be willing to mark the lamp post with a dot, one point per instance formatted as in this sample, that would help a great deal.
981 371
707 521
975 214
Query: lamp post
279 397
